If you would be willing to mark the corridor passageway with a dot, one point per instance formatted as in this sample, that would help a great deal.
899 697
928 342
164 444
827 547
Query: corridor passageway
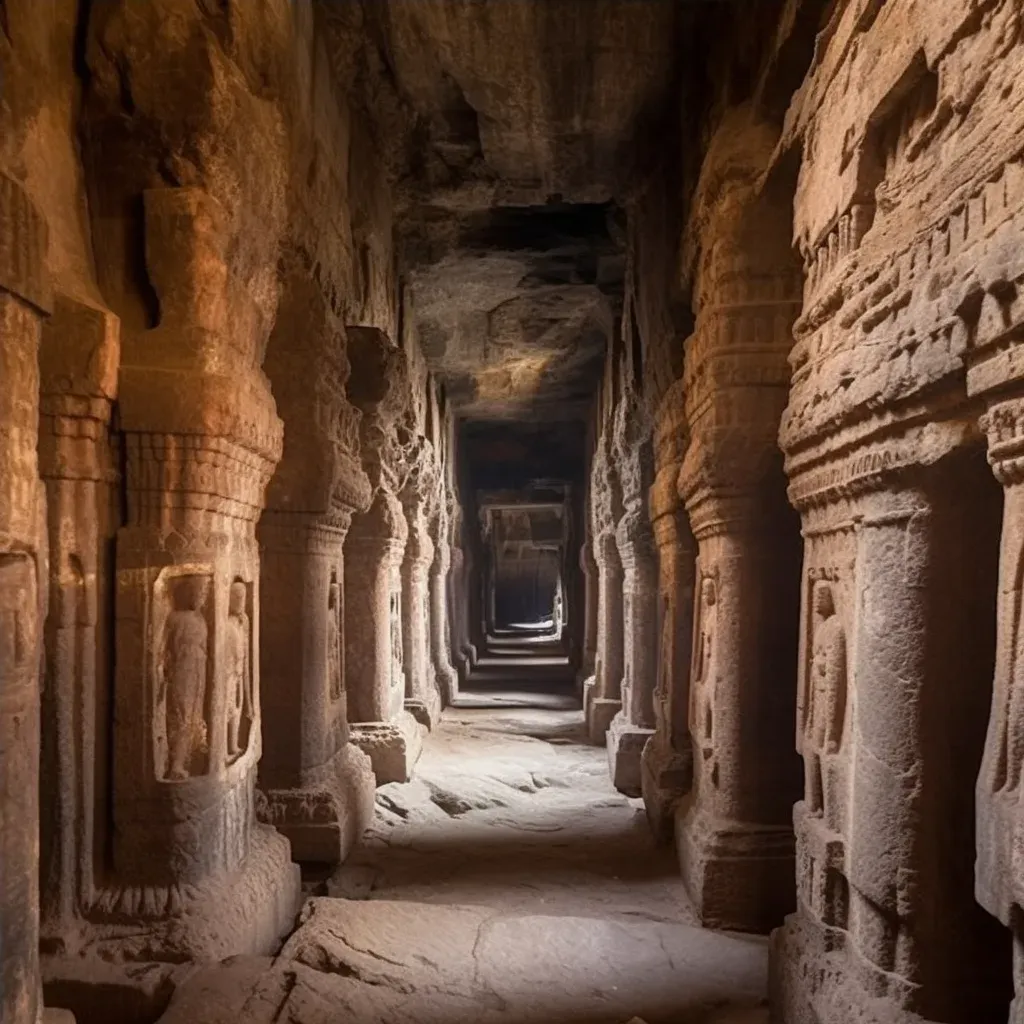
508 882
512 510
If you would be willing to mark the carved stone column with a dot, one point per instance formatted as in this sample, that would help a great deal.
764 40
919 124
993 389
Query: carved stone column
588 566
422 698
374 645
440 629
603 701
668 756
24 301
317 788
735 836
999 878
885 926
634 724
457 602
197 876
77 460
373 640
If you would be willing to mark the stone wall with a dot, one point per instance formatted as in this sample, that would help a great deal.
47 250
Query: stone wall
196 214
907 217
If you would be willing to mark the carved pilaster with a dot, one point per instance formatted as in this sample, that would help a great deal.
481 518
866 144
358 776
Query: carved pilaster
735 835
604 699
668 756
78 462
374 554
201 439
441 608
24 301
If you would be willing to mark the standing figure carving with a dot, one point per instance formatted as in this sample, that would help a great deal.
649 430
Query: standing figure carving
395 611
826 691
238 668
17 611
184 668
334 676
702 719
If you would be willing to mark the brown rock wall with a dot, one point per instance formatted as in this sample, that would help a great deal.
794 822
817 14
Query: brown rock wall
904 209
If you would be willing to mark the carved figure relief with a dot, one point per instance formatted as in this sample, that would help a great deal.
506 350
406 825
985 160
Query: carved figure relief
17 619
335 678
1008 714
703 692
395 618
826 694
237 645
183 667
665 649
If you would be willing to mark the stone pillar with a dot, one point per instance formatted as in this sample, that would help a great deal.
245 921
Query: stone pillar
197 876
588 613
24 301
602 698
317 787
440 628
77 460
457 603
668 755
735 837
886 925
605 701
634 724
999 878
374 648
422 698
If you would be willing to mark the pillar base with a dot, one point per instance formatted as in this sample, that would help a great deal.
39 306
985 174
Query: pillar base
243 913
600 712
323 822
816 976
448 681
625 748
462 668
425 709
666 776
587 695
739 877
393 747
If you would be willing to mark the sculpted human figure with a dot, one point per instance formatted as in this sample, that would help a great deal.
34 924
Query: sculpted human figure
16 610
334 640
396 633
184 674
703 662
237 653
826 690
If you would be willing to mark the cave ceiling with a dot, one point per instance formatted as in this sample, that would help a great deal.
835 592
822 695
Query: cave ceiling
523 120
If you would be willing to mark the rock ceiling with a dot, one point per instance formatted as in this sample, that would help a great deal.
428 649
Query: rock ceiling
526 116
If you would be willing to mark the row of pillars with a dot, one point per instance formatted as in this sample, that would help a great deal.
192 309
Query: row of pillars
225 683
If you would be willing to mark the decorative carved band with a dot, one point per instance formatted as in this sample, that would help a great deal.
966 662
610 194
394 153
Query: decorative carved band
23 234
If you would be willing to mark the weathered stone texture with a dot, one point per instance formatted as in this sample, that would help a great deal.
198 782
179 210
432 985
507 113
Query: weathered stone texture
907 221
735 839
24 300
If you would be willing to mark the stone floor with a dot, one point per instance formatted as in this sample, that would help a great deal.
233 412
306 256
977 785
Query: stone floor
508 883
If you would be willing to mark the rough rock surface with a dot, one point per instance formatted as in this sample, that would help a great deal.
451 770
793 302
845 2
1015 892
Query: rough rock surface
508 882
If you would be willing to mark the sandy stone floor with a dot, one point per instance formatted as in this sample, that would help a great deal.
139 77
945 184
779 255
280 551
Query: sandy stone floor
508 882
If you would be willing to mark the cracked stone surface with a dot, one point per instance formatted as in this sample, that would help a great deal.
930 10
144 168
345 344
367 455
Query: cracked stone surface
507 882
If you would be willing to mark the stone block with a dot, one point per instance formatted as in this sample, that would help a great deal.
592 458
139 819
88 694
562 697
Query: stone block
393 747
625 744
